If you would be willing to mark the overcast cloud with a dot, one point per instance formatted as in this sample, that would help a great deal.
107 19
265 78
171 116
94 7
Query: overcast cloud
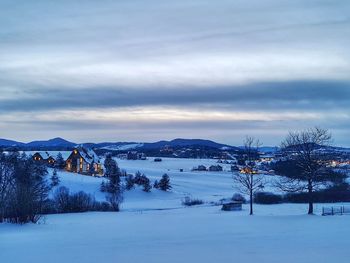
149 70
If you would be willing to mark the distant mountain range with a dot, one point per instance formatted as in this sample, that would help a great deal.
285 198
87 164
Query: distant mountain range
52 143
62 144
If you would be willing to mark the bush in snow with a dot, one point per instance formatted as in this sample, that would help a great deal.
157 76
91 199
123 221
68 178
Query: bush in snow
102 206
336 193
62 199
238 198
267 198
72 203
164 183
64 202
81 202
188 201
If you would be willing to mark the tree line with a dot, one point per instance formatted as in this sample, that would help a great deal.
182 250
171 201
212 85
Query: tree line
23 188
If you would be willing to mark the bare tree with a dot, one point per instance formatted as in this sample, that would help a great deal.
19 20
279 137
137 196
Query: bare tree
305 168
248 179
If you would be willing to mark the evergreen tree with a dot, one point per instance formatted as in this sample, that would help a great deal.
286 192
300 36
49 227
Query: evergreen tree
156 184
146 185
138 178
60 163
55 180
164 183
142 180
111 167
130 182
113 187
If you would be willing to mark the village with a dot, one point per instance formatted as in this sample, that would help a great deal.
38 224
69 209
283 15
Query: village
85 161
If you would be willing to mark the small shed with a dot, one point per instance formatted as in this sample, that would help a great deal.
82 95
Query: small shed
232 206
200 168
215 168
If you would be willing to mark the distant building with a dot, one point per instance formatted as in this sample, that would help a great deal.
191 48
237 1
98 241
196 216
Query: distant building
123 156
215 168
44 157
167 149
267 157
84 161
200 168
134 155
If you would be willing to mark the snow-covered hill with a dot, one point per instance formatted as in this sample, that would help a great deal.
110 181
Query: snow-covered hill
209 186
154 227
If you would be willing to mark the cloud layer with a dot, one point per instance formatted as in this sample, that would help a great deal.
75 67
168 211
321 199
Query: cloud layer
149 70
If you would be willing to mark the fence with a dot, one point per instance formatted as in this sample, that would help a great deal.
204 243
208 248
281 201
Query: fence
331 211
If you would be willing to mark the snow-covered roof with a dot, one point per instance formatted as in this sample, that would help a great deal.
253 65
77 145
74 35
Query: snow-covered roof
88 155
48 154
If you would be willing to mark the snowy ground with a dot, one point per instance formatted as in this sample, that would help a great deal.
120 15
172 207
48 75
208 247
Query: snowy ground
202 234
209 186
154 227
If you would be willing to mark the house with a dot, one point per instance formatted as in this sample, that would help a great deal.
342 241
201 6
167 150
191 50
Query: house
267 157
44 157
200 168
134 155
84 161
215 168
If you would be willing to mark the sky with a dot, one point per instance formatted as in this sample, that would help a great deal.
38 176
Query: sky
148 70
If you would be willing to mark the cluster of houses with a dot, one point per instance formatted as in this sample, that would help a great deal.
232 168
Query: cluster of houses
132 155
212 168
342 163
79 160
